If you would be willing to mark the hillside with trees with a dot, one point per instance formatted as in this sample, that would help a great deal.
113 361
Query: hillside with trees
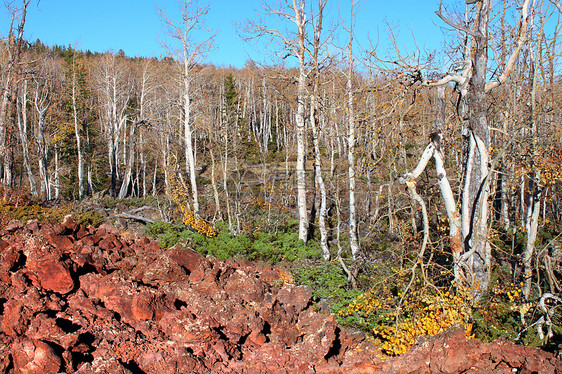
411 190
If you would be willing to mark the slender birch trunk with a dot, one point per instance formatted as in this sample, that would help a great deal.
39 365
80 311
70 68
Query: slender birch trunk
74 98
57 173
21 106
353 239
130 161
316 130
188 136
300 123
323 211
214 184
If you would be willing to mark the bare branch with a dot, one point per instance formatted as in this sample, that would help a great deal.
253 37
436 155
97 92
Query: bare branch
521 39
456 26
557 5
460 79
424 159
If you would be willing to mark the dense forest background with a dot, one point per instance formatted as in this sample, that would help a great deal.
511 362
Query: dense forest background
433 171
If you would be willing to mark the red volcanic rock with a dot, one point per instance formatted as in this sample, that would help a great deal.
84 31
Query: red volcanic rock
52 275
103 363
34 356
81 232
242 286
61 242
33 226
161 269
296 298
185 257
10 255
149 306
70 225
13 225
15 318
87 300
3 245
5 357
133 304
106 244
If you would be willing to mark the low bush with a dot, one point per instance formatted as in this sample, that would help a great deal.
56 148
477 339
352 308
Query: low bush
35 211
398 320
328 282
272 248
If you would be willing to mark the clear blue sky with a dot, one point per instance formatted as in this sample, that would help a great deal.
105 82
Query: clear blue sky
135 26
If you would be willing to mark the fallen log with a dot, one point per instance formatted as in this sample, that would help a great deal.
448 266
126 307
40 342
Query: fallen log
137 218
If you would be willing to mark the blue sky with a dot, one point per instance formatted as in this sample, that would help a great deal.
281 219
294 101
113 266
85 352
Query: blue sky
135 25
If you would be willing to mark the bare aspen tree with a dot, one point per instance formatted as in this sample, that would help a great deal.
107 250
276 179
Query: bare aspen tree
472 259
227 109
315 124
42 102
23 123
76 70
542 11
351 136
143 90
296 45
129 160
10 75
300 22
114 88
187 57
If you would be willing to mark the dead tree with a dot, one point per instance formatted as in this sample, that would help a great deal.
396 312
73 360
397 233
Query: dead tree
468 229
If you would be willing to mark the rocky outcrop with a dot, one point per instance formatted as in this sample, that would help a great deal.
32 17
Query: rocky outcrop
77 299
96 300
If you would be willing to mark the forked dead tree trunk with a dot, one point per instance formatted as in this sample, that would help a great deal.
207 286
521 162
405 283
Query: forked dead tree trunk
471 249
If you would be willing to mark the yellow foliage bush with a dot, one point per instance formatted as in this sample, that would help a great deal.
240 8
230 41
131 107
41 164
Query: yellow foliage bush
196 223
423 312
177 194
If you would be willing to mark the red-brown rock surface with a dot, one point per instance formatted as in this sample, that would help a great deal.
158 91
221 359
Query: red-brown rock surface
85 300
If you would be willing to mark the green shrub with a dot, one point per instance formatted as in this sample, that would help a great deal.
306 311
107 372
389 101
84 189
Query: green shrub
28 212
261 246
131 202
88 217
329 282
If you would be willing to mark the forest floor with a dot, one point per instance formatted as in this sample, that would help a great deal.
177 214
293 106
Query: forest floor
85 299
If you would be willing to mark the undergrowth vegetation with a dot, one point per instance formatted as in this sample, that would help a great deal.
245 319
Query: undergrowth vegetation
283 246
398 320
22 207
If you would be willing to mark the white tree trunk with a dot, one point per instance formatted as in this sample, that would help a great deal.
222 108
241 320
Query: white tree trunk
535 205
300 125
57 173
130 161
77 133
42 104
189 155
21 108
353 239
319 179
